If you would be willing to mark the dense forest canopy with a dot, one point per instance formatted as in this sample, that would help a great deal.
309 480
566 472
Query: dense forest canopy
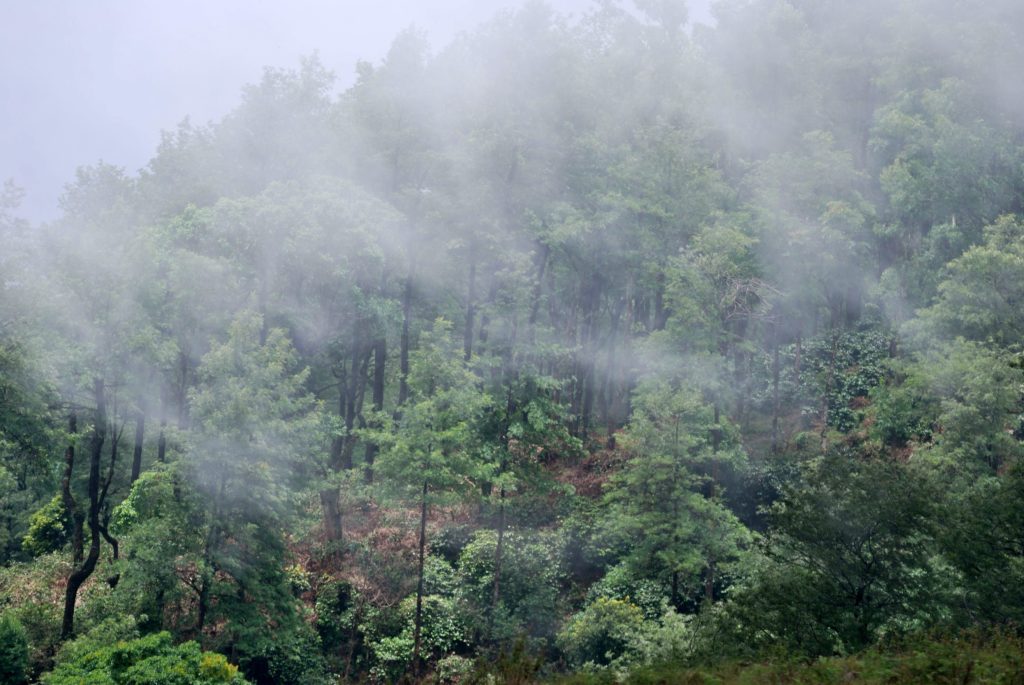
572 345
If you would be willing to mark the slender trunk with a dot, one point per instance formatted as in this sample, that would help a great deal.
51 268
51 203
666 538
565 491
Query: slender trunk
716 442
418 621
609 390
82 572
183 367
115 440
203 605
538 291
586 366
209 551
828 391
797 358
738 368
775 388
140 428
485 318
161 441
674 597
74 512
354 390
498 551
403 360
353 642
114 546
330 497
467 335
380 349
660 312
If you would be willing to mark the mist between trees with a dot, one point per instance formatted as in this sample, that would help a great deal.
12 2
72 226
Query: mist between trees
570 346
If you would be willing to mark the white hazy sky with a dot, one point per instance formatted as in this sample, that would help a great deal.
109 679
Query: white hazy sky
83 80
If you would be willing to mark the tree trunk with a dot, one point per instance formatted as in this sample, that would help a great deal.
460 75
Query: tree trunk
353 392
380 348
418 621
74 513
82 572
828 391
209 551
331 505
660 312
498 550
183 364
586 367
115 440
538 291
467 335
716 442
775 389
403 360
140 428
797 358
161 442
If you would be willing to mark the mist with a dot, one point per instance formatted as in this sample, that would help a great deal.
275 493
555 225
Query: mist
454 342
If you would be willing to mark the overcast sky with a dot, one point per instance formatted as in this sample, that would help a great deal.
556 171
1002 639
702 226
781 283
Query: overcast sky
83 81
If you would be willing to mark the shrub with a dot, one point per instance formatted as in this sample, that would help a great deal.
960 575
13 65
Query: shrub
150 660
601 633
13 650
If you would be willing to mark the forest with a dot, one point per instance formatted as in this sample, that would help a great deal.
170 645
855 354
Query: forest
591 350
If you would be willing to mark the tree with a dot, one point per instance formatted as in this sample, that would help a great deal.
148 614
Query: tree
849 555
980 294
664 525
254 425
430 452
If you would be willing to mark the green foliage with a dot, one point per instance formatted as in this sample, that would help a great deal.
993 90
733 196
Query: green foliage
433 445
153 660
601 633
27 438
979 295
965 658
983 540
621 582
445 631
845 370
978 392
664 515
48 528
13 650
531 580
717 330
850 556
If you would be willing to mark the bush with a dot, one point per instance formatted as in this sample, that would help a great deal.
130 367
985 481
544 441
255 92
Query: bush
150 660
47 528
531 575
601 633
621 583
13 650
